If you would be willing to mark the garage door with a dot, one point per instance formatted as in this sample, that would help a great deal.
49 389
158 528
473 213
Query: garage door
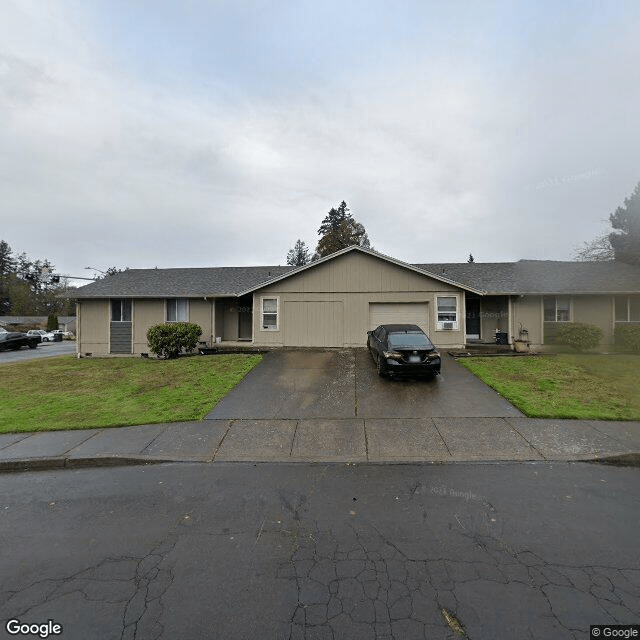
399 313
313 324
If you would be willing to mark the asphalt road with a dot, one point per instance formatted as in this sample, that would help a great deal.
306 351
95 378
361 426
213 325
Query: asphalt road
43 350
244 551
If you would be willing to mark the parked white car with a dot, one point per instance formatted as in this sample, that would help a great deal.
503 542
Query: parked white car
65 334
45 336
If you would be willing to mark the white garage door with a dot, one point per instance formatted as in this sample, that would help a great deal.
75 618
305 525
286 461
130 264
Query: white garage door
399 313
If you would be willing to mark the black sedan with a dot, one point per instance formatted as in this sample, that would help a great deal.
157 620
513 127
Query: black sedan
16 339
403 349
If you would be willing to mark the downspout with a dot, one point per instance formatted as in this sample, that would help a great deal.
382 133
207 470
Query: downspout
78 329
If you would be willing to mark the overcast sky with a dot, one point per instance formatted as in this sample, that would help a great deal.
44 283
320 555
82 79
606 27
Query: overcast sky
212 133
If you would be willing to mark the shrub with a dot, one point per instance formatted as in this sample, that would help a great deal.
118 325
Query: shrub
169 340
628 336
579 336
52 323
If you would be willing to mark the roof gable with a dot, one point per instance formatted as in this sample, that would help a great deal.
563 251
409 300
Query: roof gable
369 252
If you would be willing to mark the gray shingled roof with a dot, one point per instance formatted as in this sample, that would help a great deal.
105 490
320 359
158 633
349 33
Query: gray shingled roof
180 283
485 276
524 276
542 276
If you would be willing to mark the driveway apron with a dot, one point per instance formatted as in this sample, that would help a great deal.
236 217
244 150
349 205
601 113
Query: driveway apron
340 384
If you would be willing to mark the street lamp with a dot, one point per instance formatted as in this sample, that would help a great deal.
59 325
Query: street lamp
104 273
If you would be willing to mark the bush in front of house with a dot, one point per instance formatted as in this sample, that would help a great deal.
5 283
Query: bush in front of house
628 336
579 336
171 339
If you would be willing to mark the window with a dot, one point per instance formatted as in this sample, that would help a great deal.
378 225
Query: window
557 308
447 312
177 310
270 314
121 310
627 308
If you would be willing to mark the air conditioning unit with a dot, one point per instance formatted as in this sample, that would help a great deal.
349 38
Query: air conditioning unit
447 325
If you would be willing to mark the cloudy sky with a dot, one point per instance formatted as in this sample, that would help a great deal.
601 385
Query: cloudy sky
168 133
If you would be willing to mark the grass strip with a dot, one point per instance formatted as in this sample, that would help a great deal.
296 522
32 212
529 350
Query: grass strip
581 386
67 393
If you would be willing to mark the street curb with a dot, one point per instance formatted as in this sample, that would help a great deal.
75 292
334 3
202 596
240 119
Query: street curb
622 460
55 463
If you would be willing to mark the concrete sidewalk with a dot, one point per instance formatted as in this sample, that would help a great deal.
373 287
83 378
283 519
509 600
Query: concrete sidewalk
358 440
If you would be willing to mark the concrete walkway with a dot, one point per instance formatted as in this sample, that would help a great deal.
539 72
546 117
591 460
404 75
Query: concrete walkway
357 440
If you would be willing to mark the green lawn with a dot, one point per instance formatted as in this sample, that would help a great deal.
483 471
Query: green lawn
586 386
67 393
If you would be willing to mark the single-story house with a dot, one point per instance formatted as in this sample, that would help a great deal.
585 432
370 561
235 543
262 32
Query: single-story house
66 323
332 302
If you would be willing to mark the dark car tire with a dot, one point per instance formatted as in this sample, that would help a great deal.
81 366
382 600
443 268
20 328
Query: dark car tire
33 345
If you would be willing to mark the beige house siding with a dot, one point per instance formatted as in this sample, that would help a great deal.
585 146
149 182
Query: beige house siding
94 322
146 314
588 309
334 298
93 326
596 310
202 312
528 311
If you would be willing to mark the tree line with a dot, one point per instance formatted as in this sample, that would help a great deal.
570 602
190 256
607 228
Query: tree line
30 287
339 230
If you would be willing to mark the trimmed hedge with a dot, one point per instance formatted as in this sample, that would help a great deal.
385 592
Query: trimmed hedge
579 336
171 339
628 336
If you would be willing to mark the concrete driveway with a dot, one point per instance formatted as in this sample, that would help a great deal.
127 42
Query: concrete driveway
344 384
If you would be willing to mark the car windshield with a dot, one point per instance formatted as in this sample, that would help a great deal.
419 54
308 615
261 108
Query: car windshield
414 340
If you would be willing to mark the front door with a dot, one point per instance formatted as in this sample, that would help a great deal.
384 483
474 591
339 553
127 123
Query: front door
245 318
473 318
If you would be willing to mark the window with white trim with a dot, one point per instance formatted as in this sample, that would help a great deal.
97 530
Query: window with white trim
627 308
269 314
121 310
177 310
557 308
447 310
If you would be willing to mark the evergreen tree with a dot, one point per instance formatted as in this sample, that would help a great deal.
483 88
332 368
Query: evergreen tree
339 230
626 221
623 243
299 255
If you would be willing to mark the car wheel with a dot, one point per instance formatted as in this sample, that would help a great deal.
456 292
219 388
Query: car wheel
45 339
380 368
32 345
